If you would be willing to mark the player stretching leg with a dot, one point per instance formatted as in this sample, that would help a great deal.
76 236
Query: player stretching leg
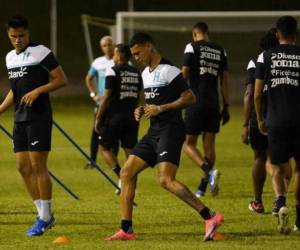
166 93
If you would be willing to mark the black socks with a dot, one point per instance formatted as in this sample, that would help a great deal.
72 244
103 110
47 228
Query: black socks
126 226
117 170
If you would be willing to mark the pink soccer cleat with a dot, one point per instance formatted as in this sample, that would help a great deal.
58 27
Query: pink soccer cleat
121 235
212 225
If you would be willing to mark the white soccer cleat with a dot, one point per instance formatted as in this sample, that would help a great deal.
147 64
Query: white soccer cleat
213 181
283 220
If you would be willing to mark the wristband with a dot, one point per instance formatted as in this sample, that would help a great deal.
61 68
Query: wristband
92 94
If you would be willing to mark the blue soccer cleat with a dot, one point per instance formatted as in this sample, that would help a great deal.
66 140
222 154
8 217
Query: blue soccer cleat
40 227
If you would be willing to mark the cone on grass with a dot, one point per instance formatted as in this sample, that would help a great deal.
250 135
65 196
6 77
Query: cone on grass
61 240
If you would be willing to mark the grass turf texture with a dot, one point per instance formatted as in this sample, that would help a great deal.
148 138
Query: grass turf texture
161 221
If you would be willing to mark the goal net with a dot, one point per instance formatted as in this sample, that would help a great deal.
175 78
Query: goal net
238 32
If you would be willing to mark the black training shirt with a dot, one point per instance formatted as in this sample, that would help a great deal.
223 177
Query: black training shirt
125 82
280 68
27 71
206 61
162 85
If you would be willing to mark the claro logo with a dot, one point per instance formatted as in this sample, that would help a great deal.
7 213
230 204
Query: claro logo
17 74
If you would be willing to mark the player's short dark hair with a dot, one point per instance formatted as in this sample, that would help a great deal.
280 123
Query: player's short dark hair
287 25
201 27
124 51
269 40
140 38
17 21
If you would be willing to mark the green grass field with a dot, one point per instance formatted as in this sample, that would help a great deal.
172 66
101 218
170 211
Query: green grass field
161 221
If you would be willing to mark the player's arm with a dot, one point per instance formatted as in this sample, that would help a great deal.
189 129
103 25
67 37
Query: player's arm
248 100
185 72
139 110
58 80
258 93
188 61
110 83
56 75
187 98
102 108
224 83
8 101
248 97
90 82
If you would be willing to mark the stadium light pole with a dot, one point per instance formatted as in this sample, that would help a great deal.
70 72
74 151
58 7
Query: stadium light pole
130 23
53 27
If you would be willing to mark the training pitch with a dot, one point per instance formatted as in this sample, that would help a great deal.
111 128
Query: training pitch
161 221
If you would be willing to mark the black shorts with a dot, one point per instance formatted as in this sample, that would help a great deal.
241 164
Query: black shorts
198 120
32 136
165 147
284 143
119 128
257 140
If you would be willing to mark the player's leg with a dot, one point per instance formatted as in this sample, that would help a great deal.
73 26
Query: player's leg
30 180
20 138
259 145
190 148
258 179
39 137
132 167
297 194
210 154
280 151
93 147
167 178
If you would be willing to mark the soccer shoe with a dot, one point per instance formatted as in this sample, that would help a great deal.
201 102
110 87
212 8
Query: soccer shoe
40 227
296 229
88 165
121 235
212 225
256 206
275 209
213 181
118 190
283 220
199 193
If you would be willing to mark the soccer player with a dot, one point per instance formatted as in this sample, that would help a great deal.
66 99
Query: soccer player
251 133
33 72
166 93
95 82
205 63
279 68
115 117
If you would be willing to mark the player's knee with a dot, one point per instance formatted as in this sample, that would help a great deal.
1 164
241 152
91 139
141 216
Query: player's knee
24 169
125 174
165 182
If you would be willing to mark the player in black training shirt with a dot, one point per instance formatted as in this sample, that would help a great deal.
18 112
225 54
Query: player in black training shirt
166 93
205 64
115 117
251 133
33 72
279 68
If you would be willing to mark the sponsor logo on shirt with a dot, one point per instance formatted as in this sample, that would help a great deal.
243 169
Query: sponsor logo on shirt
17 74
151 94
